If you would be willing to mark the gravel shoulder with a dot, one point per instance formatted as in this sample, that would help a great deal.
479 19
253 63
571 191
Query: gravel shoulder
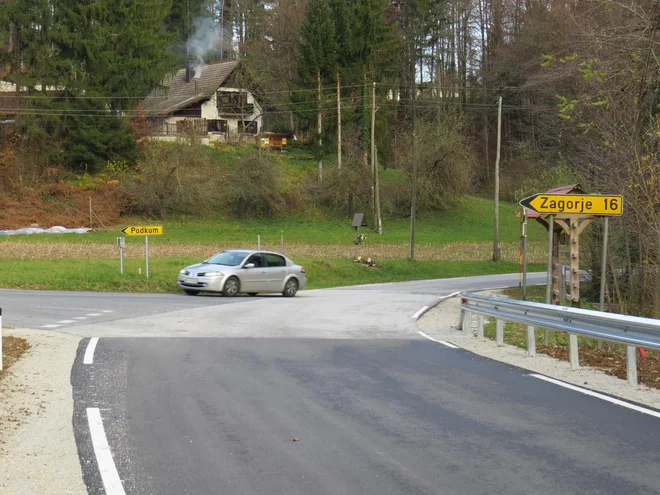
38 452
441 322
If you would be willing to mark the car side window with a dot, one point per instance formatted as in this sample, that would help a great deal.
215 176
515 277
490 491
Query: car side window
275 260
256 259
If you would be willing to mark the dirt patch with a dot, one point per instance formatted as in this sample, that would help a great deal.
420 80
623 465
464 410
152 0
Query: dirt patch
458 251
612 363
12 349
61 204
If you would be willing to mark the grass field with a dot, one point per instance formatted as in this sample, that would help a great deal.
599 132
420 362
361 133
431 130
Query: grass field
448 244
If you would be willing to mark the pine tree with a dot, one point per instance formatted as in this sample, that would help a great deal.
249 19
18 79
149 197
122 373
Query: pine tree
317 56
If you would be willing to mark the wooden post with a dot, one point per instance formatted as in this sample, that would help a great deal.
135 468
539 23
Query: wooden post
338 123
319 125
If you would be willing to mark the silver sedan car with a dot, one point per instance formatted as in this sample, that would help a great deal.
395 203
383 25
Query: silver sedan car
243 270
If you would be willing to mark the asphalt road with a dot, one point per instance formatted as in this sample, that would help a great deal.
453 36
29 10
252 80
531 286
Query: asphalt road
210 397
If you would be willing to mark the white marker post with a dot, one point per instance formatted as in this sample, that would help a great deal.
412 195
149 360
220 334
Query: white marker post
121 243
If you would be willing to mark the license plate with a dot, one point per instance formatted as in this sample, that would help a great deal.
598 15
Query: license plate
191 280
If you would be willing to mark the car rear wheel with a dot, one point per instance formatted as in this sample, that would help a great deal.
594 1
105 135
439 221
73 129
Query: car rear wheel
290 288
231 287
191 292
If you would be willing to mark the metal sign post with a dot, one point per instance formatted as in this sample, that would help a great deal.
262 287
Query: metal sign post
146 254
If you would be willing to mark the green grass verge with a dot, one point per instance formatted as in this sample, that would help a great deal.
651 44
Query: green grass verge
103 274
471 221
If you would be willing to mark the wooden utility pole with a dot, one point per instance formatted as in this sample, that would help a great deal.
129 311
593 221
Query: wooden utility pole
319 125
338 123
413 202
496 240
374 163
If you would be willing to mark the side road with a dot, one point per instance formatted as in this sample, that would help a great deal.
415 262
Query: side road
38 452
441 322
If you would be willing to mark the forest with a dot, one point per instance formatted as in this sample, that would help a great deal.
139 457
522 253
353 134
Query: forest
415 83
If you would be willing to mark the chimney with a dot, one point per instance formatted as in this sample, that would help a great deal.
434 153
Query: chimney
190 71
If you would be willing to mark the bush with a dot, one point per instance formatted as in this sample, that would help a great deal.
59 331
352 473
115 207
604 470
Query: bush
176 178
252 186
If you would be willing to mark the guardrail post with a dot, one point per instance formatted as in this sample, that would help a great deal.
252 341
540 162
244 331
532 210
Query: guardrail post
499 332
573 351
461 318
531 341
466 324
631 365
480 326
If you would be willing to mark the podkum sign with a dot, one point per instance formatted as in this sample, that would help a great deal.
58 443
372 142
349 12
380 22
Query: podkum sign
150 230
574 204
135 230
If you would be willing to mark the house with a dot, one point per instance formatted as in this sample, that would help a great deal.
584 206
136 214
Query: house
210 101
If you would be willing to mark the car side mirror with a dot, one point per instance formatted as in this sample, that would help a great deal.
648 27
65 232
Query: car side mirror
249 265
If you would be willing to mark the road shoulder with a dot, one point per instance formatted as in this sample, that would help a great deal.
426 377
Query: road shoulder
37 448
441 323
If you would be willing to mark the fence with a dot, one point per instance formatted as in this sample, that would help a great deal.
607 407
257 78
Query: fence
631 331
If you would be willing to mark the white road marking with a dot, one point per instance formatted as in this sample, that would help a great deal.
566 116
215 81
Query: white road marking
416 315
106 311
93 314
591 393
107 468
66 321
448 344
50 326
89 352
80 317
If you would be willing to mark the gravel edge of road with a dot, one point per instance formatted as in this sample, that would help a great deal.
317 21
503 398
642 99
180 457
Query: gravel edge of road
441 322
38 453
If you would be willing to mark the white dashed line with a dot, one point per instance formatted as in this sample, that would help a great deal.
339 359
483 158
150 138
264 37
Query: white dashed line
89 352
416 315
107 468
93 314
591 393
50 326
106 311
64 322
448 344
80 317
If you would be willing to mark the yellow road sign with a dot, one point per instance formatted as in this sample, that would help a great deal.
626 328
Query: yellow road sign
575 204
144 230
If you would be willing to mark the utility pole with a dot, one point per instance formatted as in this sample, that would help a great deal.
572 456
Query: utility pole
413 202
338 123
496 240
374 163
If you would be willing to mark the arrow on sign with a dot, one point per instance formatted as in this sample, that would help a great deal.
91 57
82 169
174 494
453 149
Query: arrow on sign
587 204
144 230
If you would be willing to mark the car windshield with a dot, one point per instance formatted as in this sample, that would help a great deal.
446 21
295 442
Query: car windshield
228 258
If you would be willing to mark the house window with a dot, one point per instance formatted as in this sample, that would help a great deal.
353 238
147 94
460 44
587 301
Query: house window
233 103
216 125
248 127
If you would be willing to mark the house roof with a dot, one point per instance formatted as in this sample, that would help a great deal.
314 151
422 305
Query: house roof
175 93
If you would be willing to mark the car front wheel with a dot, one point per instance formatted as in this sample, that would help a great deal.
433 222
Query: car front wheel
290 288
231 287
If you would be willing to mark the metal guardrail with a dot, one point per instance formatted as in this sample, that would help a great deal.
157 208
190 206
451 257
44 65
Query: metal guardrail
631 331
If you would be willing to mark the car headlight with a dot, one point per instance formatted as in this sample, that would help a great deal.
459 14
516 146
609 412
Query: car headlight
183 272
213 274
